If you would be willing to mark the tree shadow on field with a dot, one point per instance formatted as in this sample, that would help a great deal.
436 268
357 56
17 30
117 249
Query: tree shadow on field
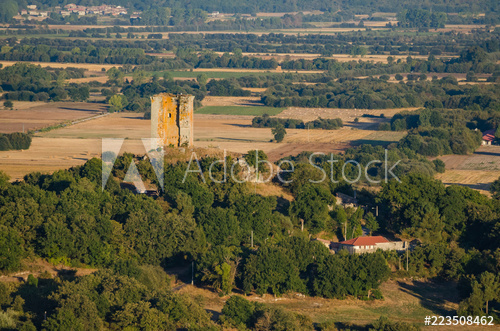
83 109
433 295
134 117
477 186
359 142
486 153
239 125
215 314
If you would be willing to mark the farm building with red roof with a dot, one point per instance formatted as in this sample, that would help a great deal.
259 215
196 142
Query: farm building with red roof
368 244
488 137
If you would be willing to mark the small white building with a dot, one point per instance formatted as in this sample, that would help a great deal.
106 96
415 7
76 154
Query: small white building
488 137
369 244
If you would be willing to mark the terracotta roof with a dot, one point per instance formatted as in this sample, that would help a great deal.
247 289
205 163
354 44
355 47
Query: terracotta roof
489 135
365 241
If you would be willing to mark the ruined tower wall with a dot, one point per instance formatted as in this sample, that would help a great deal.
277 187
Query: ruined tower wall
172 119
186 127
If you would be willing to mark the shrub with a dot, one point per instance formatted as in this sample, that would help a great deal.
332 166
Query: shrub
439 165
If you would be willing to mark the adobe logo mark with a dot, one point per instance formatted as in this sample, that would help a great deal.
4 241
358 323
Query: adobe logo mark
111 148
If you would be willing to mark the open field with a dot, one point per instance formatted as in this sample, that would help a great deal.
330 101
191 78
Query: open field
485 158
234 72
346 115
220 74
88 66
476 179
239 110
210 100
477 170
75 144
404 300
37 115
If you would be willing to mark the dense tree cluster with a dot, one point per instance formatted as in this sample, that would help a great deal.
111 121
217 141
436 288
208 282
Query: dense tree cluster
419 18
265 121
67 218
437 132
15 140
420 207
379 94
28 82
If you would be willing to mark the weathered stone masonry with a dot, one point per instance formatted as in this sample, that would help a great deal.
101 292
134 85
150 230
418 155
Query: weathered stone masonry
172 119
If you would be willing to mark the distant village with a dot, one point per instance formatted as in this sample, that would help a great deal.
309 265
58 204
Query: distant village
102 10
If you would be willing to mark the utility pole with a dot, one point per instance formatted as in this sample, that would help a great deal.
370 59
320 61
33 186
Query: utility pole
345 233
192 273
252 239
302 225
406 258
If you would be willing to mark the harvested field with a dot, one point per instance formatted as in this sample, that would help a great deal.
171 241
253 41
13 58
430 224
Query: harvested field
476 171
250 106
73 145
100 79
88 66
485 158
37 115
239 110
338 57
309 114
240 70
230 101
476 179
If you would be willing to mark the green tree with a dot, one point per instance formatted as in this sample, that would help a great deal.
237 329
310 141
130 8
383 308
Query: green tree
497 133
279 132
11 249
495 189
311 205
272 270
239 310
490 287
139 77
254 158
371 223
8 104
115 76
8 9
115 103
202 79
5 144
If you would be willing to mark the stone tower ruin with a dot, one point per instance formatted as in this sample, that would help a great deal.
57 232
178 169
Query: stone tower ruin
172 119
